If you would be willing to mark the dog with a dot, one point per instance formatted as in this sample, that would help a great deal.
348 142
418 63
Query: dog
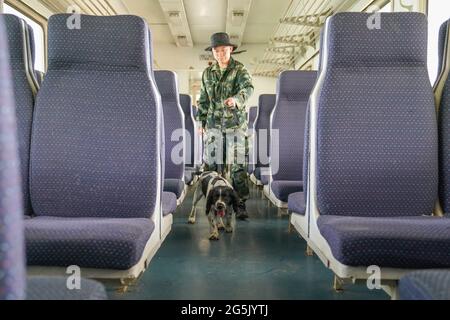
221 201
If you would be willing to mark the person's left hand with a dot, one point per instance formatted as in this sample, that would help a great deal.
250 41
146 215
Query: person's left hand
230 102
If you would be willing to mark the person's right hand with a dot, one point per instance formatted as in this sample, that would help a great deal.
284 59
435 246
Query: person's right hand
201 131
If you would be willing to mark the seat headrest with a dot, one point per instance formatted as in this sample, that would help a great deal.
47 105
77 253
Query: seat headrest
296 85
442 40
167 84
397 38
252 114
112 42
266 103
186 102
15 32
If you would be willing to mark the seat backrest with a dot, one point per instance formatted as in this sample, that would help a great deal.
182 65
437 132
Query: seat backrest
198 154
12 261
308 125
373 121
252 115
266 105
23 94
289 119
95 147
189 126
442 92
173 123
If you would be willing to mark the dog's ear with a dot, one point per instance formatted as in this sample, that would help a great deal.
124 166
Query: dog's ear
209 202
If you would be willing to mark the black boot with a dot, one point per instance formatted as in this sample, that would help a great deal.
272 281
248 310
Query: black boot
242 211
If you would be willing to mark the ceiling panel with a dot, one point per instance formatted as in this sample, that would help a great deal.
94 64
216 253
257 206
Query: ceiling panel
205 18
263 19
148 9
152 12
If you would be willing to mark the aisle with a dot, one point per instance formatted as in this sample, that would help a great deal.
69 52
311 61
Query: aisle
260 260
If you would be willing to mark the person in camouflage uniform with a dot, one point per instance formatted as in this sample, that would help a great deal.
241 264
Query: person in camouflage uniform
226 88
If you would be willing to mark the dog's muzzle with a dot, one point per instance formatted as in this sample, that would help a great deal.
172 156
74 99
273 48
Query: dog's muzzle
220 209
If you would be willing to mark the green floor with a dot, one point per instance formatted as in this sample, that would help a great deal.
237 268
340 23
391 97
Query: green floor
259 261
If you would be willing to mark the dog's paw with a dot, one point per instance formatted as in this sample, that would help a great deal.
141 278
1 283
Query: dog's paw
214 236
221 226
229 229
191 220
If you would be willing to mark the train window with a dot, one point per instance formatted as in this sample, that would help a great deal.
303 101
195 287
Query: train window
38 32
438 13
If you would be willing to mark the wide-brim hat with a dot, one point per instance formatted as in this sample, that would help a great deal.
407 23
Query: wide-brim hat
220 39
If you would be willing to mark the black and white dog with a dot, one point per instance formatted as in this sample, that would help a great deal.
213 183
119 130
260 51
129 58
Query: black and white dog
221 201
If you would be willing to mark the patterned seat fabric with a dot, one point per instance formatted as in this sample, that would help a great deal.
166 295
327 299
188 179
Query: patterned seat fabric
265 179
198 153
12 263
397 242
425 285
282 189
169 203
173 121
174 186
41 288
189 126
262 128
444 128
377 153
24 100
86 242
95 151
306 149
297 203
252 116
289 119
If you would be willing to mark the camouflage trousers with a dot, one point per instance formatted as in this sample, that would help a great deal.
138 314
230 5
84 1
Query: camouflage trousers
226 152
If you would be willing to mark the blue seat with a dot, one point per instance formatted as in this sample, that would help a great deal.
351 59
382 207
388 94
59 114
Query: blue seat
435 284
97 243
288 121
13 285
262 132
397 242
425 285
198 140
95 154
297 203
24 95
191 135
12 263
252 116
169 203
373 149
442 93
173 121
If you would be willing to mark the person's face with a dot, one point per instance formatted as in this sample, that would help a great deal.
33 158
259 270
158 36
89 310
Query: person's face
222 54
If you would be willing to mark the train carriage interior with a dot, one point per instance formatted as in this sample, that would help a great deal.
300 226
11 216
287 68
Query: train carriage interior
250 150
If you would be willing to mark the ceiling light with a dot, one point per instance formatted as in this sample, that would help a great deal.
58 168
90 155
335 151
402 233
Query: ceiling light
175 18
237 18
182 41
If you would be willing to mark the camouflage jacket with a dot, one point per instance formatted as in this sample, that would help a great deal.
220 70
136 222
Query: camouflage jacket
235 82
